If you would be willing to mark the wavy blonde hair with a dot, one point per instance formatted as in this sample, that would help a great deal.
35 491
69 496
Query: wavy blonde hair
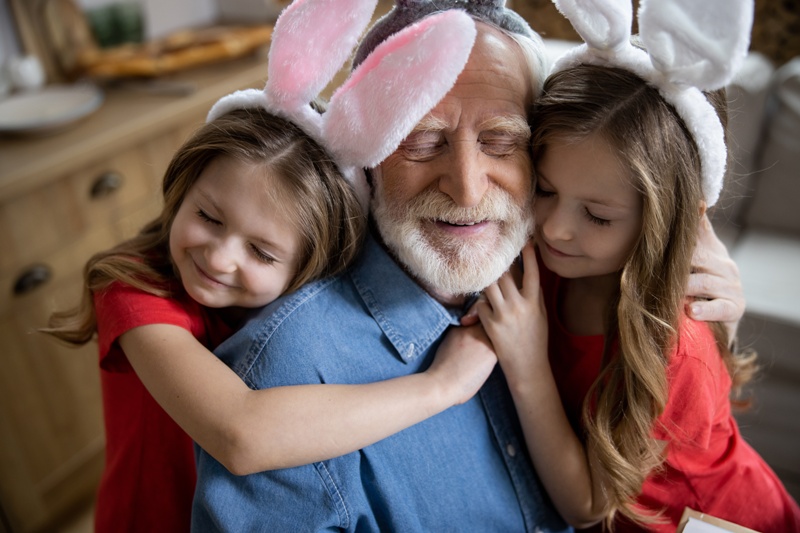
649 138
321 203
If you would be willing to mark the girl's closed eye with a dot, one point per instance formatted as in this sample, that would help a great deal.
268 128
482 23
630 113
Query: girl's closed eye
261 255
543 193
207 218
595 219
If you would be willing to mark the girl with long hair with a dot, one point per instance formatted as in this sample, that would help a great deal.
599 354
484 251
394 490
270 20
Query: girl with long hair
624 399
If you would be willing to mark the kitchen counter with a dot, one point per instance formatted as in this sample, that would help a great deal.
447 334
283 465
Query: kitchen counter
127 116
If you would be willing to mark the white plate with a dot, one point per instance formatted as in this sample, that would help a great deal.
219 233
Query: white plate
48 108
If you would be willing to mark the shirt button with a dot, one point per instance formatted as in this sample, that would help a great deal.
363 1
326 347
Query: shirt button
410 350
510 450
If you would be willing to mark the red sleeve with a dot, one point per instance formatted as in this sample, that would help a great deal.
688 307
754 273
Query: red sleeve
694 377
120 308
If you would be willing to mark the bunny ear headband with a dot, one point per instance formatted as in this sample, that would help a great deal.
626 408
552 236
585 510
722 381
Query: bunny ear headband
382 100
692 46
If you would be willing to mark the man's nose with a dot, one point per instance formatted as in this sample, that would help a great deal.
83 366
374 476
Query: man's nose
466 178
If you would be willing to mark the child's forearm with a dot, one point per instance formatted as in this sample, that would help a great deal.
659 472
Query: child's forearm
303 424
558 455
250 431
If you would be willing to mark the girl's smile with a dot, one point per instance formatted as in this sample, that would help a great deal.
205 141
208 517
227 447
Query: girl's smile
211 280
553 251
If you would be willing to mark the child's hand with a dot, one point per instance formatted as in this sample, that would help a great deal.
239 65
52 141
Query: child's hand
516 321
463 362
471 317
715 284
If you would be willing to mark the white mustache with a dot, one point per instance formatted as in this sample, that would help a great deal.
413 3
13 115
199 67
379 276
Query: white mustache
496 205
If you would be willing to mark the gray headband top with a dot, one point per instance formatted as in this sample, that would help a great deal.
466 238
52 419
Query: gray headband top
407 12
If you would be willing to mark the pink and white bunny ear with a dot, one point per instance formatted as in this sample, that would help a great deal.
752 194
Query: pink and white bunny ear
697 43
397 85
602 24
311 41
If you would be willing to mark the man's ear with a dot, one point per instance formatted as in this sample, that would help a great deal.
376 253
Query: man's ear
703 208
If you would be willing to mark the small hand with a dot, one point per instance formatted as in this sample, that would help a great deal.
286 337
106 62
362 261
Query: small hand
515 319
715 286
463 362
471 317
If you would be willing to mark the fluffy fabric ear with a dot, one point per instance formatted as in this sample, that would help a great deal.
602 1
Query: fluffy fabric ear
397 85
709 136
697 43
603 24
311 41
244 99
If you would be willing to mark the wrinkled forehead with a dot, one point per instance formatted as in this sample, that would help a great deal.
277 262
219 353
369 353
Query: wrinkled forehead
496 71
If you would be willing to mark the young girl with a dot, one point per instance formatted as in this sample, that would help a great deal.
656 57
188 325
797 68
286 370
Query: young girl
254 207
626 409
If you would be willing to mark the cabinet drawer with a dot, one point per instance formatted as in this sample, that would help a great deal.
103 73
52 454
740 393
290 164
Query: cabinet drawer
42 221
34 281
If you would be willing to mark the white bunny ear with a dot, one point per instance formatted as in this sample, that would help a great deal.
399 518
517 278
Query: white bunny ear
603 24
397 85
311 41
701 43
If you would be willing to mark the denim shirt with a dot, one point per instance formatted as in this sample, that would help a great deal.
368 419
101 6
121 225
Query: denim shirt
465 469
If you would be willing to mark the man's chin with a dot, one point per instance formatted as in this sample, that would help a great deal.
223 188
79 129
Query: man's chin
454 273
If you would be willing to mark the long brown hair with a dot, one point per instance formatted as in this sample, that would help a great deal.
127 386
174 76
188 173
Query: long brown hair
649 138
321 203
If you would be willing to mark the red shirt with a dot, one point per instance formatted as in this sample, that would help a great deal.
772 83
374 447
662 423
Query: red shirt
149 477
708 467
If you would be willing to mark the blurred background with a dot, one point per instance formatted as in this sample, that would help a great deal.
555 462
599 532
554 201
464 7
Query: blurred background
95 96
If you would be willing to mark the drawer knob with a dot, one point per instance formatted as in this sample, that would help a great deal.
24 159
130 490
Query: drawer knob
106 184
32 278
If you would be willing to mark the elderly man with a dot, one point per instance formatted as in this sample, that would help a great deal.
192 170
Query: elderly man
450 213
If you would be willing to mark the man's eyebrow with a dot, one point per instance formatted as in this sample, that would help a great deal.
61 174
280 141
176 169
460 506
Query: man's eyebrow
429 123
512 125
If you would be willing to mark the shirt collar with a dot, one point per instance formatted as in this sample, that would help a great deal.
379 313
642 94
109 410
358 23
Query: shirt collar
410 318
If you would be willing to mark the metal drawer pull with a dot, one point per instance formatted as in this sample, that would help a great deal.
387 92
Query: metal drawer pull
106 184
32 278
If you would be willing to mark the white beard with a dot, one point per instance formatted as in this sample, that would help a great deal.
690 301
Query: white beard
450 265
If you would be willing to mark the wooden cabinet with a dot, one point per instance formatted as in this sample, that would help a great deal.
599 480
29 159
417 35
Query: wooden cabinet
64 197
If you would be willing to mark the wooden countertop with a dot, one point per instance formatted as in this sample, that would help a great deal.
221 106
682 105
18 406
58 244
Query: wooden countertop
126 117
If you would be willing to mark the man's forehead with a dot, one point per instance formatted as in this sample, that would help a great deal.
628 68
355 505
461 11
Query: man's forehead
491 93
496 60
